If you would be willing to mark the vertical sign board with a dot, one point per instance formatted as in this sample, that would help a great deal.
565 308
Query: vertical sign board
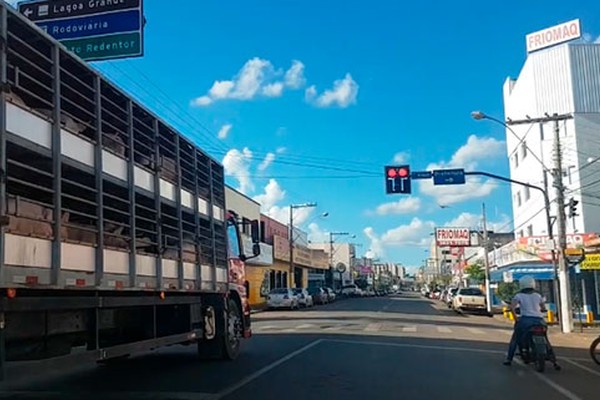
554 35
453 237
92 29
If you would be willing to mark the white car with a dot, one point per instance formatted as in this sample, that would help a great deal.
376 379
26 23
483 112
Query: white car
283 298
351 290
304 298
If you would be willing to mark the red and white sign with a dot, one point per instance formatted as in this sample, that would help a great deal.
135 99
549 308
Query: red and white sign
554 35
456 237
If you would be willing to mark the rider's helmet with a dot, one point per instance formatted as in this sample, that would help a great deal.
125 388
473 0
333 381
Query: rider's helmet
527 282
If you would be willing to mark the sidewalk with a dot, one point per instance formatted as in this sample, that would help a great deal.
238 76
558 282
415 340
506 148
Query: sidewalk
579 338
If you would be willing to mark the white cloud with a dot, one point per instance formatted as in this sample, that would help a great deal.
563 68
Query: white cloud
273 193
294 77
273 89
376 247
316 234
237 164
416 233
465 220
256 77
403 206
343 94
224 131
280 150
401 157
468 156
269 158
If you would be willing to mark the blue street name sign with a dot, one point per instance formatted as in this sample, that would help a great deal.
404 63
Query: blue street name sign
449 177
92 29
421 175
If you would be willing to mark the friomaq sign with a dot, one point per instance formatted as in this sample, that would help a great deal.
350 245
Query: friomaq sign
455 237
554 35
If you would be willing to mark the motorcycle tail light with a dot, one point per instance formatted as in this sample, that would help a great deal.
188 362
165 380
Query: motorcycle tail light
538 330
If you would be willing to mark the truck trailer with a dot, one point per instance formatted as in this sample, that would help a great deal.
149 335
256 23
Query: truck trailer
115 238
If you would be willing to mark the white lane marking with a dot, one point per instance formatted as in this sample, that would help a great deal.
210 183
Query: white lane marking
262 371
290 330
560 389
266 327
444 329
409 329
333 328
305 326
372 328
583 367
504 331
415 346
476 331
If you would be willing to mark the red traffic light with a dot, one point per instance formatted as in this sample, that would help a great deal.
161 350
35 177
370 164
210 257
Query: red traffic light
391 173
402 172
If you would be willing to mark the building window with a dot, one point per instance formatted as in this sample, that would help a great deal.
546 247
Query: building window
521 233
527 193
529 230
518 199
523 150
516 159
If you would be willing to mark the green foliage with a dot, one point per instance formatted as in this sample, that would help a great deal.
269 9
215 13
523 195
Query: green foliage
506 290
476 272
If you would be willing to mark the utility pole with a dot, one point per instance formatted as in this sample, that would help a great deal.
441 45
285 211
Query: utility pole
486 262
563 273
292 272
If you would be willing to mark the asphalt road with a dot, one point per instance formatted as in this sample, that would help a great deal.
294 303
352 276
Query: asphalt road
370 348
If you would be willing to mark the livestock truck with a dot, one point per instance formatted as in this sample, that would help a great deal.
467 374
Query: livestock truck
115 237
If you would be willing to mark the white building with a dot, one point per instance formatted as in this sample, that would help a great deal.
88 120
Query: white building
564 79
343 253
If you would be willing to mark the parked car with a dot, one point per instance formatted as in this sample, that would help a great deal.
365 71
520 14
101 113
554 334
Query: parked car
319 295
469 299
352 291
330 294
304 298
282 298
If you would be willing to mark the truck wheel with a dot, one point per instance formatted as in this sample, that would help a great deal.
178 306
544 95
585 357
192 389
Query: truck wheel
232 338
226 345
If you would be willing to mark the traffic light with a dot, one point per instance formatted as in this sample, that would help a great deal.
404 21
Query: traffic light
573 207
397 179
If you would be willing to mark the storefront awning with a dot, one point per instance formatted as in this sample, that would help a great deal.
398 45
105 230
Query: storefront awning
541 272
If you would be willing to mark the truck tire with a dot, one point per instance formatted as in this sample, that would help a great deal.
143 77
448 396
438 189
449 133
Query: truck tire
226 345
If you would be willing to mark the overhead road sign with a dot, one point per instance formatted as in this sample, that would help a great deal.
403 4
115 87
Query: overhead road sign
92 29
421 175
449 176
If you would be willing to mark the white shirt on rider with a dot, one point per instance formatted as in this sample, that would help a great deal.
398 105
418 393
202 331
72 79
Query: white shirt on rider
529 304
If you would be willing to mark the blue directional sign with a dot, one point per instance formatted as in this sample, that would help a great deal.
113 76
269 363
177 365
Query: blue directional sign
449 177
92 29
421 175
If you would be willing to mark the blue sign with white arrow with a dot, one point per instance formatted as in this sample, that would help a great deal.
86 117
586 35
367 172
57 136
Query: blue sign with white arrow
421 175
449 177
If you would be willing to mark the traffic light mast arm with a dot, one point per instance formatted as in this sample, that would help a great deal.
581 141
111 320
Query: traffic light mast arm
544 193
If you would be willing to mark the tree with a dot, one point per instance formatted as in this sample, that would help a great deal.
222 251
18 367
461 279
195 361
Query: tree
476 272
507 290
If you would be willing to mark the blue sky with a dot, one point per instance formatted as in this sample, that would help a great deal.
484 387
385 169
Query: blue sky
313 98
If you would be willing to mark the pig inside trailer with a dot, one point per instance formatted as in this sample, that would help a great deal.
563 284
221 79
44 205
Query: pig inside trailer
115 237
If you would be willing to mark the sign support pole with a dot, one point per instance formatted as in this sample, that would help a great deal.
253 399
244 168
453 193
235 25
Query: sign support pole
486 261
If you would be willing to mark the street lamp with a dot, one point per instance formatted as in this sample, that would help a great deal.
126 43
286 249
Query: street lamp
479 116
291 238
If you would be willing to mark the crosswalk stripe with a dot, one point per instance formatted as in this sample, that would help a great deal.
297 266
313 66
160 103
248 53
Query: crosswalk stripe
333 328
372 328
476 331
409 329
444 329
305 326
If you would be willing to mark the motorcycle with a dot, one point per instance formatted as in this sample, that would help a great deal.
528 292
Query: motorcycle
595 350
535 348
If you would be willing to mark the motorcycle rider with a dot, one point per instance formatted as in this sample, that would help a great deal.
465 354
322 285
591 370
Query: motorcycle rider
531 309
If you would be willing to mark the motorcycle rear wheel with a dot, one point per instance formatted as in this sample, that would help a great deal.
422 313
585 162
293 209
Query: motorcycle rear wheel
540 362
595 350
